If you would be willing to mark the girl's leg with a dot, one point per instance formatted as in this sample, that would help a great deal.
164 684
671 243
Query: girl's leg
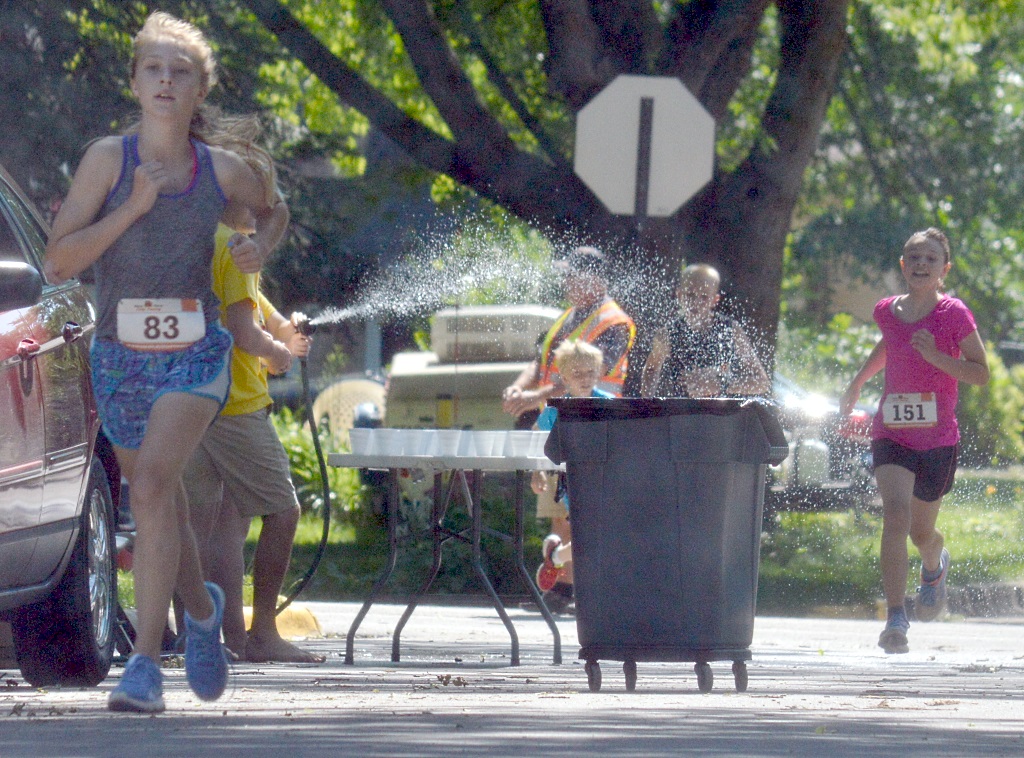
926 538
896 486
190 587
165 550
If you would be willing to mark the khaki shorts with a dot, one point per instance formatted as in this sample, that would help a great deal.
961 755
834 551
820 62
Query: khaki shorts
241 459
547 506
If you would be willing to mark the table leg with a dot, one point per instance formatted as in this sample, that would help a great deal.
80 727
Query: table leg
394 496
438 509
524 572
477 512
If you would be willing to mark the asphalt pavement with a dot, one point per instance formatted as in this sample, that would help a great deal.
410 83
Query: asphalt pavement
816 687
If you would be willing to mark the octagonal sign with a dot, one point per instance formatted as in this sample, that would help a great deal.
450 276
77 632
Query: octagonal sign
644 145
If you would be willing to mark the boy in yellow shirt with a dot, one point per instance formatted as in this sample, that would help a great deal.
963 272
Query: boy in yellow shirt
241 470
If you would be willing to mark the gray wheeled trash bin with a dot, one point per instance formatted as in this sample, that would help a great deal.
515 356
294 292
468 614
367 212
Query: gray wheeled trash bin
665 504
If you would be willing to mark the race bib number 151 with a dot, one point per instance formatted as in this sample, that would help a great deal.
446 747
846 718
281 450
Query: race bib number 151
910 409
160 324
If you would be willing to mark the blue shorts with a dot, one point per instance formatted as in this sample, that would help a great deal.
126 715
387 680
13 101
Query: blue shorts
127 382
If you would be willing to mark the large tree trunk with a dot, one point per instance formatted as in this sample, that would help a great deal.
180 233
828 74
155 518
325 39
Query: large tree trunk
738 222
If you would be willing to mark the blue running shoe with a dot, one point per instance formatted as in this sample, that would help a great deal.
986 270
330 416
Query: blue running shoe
931 595
141 687
206 665
894 637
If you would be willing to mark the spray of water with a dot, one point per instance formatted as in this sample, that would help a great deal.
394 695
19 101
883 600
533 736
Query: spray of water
432 278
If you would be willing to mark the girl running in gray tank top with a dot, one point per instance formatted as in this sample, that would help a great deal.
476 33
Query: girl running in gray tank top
144 210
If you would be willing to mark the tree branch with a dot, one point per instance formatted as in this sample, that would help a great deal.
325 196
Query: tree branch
576 65
741 215
812 41
435 152
709 47
630 33
504 86
442 77
483 158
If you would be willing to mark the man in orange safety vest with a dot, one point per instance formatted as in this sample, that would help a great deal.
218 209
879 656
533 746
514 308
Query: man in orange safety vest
592 317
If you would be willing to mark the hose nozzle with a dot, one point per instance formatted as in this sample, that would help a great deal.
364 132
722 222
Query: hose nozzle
305 327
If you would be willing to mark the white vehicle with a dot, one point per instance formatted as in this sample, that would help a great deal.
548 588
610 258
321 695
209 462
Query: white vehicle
829 463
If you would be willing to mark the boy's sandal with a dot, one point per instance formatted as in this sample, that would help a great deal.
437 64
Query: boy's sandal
547 576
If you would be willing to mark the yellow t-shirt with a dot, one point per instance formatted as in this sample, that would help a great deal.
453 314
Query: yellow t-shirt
249 391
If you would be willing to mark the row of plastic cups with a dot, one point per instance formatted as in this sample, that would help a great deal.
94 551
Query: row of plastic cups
448 442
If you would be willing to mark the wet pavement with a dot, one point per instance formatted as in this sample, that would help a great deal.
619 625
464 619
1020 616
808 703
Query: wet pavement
816 687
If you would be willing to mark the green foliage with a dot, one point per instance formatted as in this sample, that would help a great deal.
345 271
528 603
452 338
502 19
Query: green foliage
502 260
362 36
819 559
807 559
741 129
825 360
923 132
828 559
991 417
351 569
336 362
345 489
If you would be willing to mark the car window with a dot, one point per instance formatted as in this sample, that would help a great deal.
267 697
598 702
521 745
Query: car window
10 248
16 213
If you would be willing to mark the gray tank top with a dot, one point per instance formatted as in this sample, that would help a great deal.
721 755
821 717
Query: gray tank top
168 251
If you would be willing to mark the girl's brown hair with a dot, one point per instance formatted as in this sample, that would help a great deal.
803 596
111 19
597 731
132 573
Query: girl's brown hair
931 234
235 133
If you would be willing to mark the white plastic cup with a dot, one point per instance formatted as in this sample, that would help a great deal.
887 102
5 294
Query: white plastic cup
517 444
537 444
416 441
360 441
468 445
498 443
388 441
446 442
485 442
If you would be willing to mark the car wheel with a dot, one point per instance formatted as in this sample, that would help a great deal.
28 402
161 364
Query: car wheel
68 637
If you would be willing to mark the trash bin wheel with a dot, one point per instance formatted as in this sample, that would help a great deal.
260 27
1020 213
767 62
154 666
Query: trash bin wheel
629 670
593 669
705 678
739 673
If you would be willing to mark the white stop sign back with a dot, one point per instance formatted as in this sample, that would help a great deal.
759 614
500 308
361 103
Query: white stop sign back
673 150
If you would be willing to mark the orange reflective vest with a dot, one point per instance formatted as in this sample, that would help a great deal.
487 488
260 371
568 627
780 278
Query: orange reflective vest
603 318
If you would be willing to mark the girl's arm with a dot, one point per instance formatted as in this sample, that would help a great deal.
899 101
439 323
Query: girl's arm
246 190
77 240
253 251
972 365
874 364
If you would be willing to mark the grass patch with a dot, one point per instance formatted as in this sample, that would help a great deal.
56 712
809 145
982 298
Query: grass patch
831 559
808 560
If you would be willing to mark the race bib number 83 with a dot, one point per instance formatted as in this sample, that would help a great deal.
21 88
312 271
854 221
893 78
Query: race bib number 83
910 409
160 324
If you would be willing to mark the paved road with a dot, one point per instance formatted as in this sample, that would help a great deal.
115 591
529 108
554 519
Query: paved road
817 687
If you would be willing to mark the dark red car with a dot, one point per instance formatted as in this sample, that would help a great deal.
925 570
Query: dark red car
58 579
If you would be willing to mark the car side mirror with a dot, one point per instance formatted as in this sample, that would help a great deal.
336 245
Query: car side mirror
20 285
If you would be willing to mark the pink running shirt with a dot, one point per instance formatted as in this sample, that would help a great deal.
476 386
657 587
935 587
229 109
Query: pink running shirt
906 371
